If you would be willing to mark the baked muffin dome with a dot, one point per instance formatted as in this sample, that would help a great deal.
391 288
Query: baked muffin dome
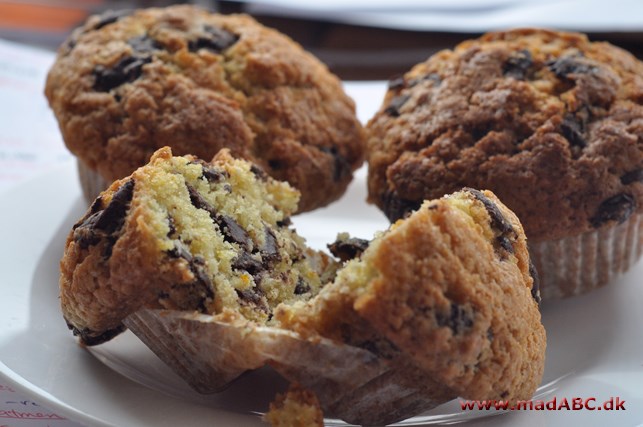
128 83
550 122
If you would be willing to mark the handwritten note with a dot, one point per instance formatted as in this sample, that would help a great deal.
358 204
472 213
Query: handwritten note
29 138
17 410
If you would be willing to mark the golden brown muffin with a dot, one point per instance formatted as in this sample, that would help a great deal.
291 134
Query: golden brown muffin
183 234
128 83
548 121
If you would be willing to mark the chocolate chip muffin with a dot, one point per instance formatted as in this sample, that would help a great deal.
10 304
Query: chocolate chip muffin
443 304
182 234
128 83
451 287
550 122
199 261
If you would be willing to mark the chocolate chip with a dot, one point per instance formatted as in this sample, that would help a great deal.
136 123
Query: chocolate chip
535 288
302 287
113 216
144 44
573 129
171 226
518 65
124 71
198 267
348 249
270 249
244 261
284 222
490 334
434 78
617 208
632 176
213 175
110 16
199 202
569 65
503 228
395 207
259 173
215 39
107 222
458 320
397 83
396 103
255 297
341 166
232 231
504 394
180 251
89 337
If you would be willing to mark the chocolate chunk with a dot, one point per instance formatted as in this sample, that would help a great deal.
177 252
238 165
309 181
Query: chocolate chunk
172 227
535 288
232 231
518 65
144 44
85 234
505 233
126 70
396 103
246 262
348 249
396 83
213 175
105 223
434 78
302 287
199 202
632 176
395 207
504 394
111 16
569 65
113 217
180 251
617 208
198 267
341 166
259 173
490 334
573 129
458 320
215 39
270 249
254 296
89 337
284 222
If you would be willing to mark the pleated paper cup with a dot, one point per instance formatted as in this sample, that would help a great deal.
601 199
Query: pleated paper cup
351 383
91 182
578 264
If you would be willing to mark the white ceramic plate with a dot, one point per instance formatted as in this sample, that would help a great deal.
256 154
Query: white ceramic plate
595 343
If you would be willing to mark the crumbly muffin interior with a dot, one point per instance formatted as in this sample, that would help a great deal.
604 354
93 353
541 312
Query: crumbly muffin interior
183 234
231 221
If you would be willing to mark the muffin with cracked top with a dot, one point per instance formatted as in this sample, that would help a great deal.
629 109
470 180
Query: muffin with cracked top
130 82
550 122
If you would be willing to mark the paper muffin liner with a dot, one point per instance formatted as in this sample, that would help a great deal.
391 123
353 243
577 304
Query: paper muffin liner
91 182
578 264
351 383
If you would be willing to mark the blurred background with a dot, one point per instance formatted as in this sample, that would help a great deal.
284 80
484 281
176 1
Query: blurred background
359 39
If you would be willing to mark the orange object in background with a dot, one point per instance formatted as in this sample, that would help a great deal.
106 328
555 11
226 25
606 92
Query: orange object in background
45 16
